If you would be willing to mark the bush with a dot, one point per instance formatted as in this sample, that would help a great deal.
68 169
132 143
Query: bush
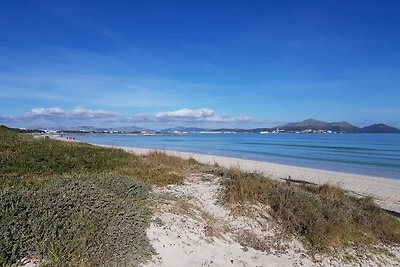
76 220
73 204
327 218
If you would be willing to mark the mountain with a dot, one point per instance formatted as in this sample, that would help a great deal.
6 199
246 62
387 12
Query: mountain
313 124
379 128
83 128
184 129
92 129
131 129
309 125
343 127
233 130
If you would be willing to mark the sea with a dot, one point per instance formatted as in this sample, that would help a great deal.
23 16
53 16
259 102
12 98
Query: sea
366 154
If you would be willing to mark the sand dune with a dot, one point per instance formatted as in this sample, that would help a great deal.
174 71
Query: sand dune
385 191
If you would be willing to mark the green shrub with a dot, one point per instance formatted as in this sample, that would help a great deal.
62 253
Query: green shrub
74 204
76 220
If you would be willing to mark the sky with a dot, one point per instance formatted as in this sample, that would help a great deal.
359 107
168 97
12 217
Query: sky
231 63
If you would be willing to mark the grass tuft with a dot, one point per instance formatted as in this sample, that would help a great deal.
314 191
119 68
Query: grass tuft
325 217
158 169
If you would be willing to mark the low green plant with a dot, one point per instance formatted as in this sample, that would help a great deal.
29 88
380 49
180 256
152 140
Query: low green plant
26 156
23 158
73 204
76 220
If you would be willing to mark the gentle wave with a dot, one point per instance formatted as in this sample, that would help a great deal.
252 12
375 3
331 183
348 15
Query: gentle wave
321 147
319 158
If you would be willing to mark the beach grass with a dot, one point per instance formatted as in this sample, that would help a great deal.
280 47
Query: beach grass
157 168
24 158
326 218
74 204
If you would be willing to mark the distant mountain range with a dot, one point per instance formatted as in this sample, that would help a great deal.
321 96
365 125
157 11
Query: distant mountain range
131 129
379 128
313 124
340 127
122 129
306 126
185 129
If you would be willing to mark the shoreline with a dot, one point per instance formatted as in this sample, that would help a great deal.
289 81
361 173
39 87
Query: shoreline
332 161
385 191
188 222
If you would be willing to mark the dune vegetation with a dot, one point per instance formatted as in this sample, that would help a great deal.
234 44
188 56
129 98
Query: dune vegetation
74 204
326 218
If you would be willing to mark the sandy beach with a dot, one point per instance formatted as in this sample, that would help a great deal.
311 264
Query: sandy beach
385 191
190 227
194 229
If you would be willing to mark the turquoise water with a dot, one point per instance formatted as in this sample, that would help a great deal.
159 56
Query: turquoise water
371 154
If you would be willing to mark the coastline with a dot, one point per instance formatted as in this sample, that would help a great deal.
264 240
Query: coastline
385 191
190 227
370 155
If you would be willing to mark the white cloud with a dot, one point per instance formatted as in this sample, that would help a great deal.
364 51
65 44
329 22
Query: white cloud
89 113
187 113
198 115
109 118
45 112
77 113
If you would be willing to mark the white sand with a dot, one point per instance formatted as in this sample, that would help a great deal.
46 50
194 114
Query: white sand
194 229
385 191
183 239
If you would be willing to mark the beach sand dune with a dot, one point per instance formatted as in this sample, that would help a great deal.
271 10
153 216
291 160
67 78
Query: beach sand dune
385 191
190 227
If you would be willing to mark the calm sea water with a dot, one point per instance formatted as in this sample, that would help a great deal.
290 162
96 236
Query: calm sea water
371 154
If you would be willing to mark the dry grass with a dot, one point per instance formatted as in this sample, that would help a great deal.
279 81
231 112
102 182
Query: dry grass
182 206
248 238
325 217
157 168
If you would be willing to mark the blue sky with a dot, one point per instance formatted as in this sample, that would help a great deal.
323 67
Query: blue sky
205 63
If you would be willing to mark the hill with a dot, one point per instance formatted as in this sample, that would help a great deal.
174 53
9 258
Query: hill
313 124
185 129
379 128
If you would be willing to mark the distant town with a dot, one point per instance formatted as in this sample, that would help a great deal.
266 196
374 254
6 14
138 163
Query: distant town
309 126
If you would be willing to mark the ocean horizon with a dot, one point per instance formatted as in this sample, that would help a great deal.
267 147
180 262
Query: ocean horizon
364 154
